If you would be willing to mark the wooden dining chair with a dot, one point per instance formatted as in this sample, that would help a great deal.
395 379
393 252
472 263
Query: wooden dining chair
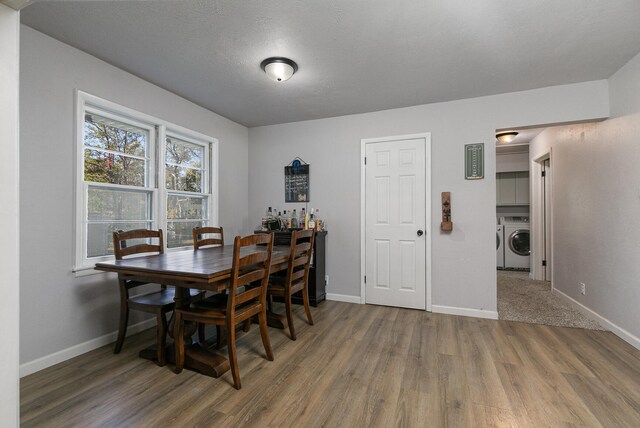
201 238
251 264
157 302
297 277
208 236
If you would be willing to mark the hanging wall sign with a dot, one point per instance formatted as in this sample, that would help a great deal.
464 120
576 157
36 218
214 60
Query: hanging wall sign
474 161
296 181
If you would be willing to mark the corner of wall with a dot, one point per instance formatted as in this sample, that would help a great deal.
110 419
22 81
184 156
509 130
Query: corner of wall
9 215
624 89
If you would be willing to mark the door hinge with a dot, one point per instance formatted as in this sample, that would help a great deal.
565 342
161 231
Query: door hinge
365 160
544 173
365 279
544 263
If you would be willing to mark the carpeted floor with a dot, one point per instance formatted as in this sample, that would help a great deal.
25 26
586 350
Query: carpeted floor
523 299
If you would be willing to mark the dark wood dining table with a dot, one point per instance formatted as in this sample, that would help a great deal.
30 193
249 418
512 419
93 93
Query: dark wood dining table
205 269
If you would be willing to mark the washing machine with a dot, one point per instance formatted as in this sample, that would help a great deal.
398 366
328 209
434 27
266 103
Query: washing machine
500 245
517 248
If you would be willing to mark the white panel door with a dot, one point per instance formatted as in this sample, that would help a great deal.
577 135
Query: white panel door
395 242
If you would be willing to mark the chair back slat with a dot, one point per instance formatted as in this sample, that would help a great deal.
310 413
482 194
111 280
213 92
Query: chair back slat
253 293
251 276
251 270
121 249
138 249
301 260
199 239
302 247
297 274
252 259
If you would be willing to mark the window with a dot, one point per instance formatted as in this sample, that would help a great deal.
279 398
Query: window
126 180
186 184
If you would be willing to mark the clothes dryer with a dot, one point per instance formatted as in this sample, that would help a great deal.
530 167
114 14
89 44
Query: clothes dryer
500 245
517 250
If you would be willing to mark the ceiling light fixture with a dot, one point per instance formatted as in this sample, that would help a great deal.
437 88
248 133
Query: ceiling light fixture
506 137
278 68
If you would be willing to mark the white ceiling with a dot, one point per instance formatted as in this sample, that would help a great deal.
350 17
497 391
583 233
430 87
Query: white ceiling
354 56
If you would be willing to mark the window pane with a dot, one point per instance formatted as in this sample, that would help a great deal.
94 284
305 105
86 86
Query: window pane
186 207
183 153
100 236
109 134
101 167
179 234
109 204
185 179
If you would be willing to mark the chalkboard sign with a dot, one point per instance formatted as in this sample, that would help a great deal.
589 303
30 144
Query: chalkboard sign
474 161
296 182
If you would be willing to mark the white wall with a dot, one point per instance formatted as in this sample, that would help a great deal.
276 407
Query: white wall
9 212
464 273
58 310
596 206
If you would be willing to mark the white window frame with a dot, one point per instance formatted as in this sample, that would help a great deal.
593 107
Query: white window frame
155 180
210 170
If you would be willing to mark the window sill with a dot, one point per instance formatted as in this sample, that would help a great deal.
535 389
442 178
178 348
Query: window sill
86 271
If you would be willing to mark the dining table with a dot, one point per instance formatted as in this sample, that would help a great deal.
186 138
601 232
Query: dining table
207 269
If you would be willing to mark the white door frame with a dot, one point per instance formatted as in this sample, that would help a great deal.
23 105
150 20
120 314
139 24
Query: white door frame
537 217
426 137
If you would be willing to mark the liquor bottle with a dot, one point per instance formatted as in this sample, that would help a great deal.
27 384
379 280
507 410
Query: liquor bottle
294 219
311 224
302 219
269 213
318 220
289 219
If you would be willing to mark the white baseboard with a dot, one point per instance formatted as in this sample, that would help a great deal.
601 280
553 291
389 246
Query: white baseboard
465 312
81 348
615 329
343 298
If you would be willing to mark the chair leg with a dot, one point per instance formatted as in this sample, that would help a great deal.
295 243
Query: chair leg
201 334
179 342
233 356
161 340
122 329
307 308
264 333
289 310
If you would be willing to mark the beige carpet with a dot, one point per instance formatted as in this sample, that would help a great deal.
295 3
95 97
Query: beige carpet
525 300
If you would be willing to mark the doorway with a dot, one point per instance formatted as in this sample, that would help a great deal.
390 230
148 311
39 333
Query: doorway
523 295
542 217
396 231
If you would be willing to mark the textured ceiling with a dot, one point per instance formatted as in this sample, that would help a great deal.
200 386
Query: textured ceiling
354 56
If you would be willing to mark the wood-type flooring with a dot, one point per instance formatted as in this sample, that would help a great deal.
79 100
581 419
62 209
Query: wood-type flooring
359 366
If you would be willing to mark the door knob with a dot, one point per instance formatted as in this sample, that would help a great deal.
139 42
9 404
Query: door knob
420 232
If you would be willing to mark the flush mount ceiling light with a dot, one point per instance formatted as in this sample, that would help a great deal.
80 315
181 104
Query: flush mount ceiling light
506 137
279 69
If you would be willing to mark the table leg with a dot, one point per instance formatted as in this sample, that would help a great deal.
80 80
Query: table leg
276 320
199 357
